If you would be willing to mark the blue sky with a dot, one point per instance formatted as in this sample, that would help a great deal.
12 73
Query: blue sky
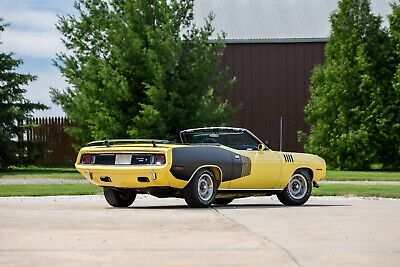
33 37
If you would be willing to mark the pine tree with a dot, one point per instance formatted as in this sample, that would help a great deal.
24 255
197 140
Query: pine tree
140 69
14 108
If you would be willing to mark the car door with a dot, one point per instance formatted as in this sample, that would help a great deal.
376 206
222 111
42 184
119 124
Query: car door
265 170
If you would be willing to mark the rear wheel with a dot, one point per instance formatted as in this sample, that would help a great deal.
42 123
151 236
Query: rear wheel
223 201
201 190
119 197
298 191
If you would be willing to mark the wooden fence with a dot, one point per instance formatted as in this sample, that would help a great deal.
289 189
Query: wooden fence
50 142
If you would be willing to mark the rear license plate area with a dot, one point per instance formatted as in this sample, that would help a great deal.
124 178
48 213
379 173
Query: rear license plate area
123 159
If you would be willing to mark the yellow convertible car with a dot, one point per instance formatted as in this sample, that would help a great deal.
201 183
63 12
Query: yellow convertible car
211 165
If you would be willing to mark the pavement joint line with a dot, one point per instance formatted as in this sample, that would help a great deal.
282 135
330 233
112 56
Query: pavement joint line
26 181
260 237
122 249
12 181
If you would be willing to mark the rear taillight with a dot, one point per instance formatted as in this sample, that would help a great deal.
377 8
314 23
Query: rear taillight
159 159
87 159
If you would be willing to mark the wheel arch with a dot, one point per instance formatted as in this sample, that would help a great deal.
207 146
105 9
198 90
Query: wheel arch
307 169
216 171
286 197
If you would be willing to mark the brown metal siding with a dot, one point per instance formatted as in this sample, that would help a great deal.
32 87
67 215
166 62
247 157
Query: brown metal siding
272 81
54 145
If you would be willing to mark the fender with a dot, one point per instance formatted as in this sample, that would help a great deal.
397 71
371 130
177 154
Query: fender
207 166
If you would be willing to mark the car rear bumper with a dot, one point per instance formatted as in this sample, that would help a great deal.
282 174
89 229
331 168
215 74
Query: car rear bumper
126 176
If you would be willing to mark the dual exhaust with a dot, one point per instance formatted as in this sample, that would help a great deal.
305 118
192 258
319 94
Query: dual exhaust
142 179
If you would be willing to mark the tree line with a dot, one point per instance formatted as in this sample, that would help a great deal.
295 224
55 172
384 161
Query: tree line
354 107
142 69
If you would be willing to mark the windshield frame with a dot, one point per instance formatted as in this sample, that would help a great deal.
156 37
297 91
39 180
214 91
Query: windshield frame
220 129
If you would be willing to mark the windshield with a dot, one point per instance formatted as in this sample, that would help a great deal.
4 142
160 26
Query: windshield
240 140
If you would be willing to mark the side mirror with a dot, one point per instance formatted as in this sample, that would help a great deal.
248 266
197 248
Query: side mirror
261 147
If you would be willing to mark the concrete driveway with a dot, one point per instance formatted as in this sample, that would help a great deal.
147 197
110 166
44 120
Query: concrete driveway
76 230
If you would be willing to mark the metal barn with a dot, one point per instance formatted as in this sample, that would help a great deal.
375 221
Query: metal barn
272 47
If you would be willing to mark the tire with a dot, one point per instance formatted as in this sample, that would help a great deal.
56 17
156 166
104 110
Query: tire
298 190
119 197
201 190
223 201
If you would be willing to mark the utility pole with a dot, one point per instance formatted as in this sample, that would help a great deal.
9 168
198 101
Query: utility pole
280 133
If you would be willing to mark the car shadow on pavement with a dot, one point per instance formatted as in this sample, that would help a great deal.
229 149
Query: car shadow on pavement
159 207
239 206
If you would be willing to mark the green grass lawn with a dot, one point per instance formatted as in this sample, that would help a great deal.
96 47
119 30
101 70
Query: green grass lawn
362 176
48 190
72 173
40 172
86 189
392 191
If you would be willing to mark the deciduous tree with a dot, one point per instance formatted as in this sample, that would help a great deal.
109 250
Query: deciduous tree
351 107
140 68
391 148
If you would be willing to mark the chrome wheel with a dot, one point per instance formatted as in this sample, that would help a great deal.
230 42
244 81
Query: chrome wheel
298 186
205 187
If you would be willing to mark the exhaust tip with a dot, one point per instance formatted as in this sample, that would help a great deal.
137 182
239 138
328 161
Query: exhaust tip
143 179
105 179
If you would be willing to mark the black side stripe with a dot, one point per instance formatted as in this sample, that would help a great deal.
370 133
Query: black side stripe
186 160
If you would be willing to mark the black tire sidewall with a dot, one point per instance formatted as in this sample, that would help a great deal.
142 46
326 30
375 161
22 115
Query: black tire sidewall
119 197
286 198
191 193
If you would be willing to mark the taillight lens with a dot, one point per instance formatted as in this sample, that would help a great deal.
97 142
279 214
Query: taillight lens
159 159
87 159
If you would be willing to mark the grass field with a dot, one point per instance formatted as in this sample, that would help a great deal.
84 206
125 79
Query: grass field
362 176
40 172
72 173
392 191
48 190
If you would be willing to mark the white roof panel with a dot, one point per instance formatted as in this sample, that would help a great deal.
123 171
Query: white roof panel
274 20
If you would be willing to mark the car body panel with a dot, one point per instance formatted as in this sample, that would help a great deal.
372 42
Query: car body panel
266 168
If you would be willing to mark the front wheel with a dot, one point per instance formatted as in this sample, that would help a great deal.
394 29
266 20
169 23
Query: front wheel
119 197
298 191
201 190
